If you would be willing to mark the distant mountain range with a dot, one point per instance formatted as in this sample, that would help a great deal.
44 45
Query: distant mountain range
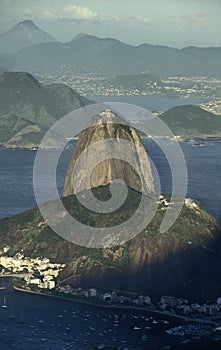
110 56
28 108
22 35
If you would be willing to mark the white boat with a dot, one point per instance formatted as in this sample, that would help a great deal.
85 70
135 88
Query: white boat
4 305
2 287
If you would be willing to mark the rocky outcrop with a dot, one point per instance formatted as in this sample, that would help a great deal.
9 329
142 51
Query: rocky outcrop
109 125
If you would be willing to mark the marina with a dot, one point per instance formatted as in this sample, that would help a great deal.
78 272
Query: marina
48 323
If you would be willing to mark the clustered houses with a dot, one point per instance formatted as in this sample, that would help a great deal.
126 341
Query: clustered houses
89 83
182 306
165 204
116 298
42 274
45 271
111 298
77 292
179 306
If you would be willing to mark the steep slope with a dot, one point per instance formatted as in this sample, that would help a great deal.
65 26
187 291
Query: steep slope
21 35
192 121
110 125
28 108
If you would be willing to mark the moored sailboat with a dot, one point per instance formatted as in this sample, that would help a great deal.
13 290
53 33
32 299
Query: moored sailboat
4 305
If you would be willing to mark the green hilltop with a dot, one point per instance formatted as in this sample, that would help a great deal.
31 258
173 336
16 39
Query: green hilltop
192 121
28 108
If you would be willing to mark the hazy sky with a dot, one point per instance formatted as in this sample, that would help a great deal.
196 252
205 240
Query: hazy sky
175 23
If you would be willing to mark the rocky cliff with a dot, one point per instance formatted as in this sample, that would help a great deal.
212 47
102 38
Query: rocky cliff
109 125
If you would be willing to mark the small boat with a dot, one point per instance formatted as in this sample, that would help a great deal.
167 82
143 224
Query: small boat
4 305
21 319
144 337
11 316
2 287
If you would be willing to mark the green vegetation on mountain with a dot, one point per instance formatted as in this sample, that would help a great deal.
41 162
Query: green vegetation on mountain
28 108
192 121
183 261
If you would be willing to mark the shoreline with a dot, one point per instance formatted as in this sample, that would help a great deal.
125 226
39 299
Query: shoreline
127 308
157 313
178 138
20 275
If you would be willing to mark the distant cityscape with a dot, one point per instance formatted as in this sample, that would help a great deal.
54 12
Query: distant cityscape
95 84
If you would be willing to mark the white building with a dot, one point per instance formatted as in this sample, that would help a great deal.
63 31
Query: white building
34 281
92 292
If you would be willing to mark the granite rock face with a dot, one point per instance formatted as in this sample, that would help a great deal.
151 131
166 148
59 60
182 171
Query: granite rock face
108 125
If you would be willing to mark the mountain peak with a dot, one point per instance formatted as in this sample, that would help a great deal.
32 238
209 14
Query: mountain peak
26 23
21 35
80 36
19 77
83 36
109 125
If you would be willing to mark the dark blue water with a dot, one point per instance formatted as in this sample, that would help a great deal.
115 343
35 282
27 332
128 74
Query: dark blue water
46 323
202 159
